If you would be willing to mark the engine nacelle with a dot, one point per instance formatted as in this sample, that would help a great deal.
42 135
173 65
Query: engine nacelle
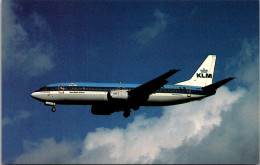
49 103
119 94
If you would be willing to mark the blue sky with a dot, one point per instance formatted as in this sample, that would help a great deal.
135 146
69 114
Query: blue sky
45 42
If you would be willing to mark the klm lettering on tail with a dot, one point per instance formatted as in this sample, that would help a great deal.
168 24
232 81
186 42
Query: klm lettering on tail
204 74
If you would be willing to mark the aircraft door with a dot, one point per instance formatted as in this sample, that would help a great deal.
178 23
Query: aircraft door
188 92
61 88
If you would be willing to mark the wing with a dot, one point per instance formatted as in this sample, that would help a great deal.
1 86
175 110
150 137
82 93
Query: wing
142 92
136 96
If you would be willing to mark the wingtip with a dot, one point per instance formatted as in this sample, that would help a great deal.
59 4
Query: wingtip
231 78
174 70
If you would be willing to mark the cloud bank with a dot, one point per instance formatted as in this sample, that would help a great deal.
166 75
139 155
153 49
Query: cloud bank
25 46
47 151
144 139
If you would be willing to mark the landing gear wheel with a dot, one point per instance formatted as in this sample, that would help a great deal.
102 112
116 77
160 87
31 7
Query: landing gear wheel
53 109
126 114
135 108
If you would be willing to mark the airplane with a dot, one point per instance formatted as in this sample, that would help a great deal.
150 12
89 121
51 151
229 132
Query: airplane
107 98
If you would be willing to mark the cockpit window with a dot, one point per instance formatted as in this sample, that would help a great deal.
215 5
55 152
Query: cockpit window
43 88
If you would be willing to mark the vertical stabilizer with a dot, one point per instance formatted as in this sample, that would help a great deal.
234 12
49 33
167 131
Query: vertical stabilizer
204 75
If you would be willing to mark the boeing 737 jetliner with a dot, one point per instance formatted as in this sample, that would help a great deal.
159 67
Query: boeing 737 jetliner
107 98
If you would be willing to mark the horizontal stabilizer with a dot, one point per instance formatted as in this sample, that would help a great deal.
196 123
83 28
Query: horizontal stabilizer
217 84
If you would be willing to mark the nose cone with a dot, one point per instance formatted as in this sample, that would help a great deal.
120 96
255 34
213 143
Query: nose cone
36 96
33 95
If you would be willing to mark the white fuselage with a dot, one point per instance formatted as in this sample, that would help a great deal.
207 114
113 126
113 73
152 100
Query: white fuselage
95 97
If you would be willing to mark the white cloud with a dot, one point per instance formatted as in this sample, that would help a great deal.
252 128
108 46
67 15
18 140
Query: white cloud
24 49
234 141
148 33
247 60
47 151
21 116
142 140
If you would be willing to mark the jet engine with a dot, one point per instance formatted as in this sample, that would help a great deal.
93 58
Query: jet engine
118 94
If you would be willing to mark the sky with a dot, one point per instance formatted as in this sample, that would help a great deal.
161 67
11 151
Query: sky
45 42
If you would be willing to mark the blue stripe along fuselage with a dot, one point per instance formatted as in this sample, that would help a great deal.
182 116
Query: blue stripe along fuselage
80 86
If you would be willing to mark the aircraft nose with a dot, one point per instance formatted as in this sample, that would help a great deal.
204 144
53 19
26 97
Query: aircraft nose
36 95
33 95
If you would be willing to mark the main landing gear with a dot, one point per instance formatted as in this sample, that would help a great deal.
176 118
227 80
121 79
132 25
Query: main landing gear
53 109
127 113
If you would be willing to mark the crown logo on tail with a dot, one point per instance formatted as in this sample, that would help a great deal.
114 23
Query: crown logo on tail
204 70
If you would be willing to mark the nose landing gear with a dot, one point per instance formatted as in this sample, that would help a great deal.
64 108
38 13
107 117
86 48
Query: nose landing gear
53 109
51 104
